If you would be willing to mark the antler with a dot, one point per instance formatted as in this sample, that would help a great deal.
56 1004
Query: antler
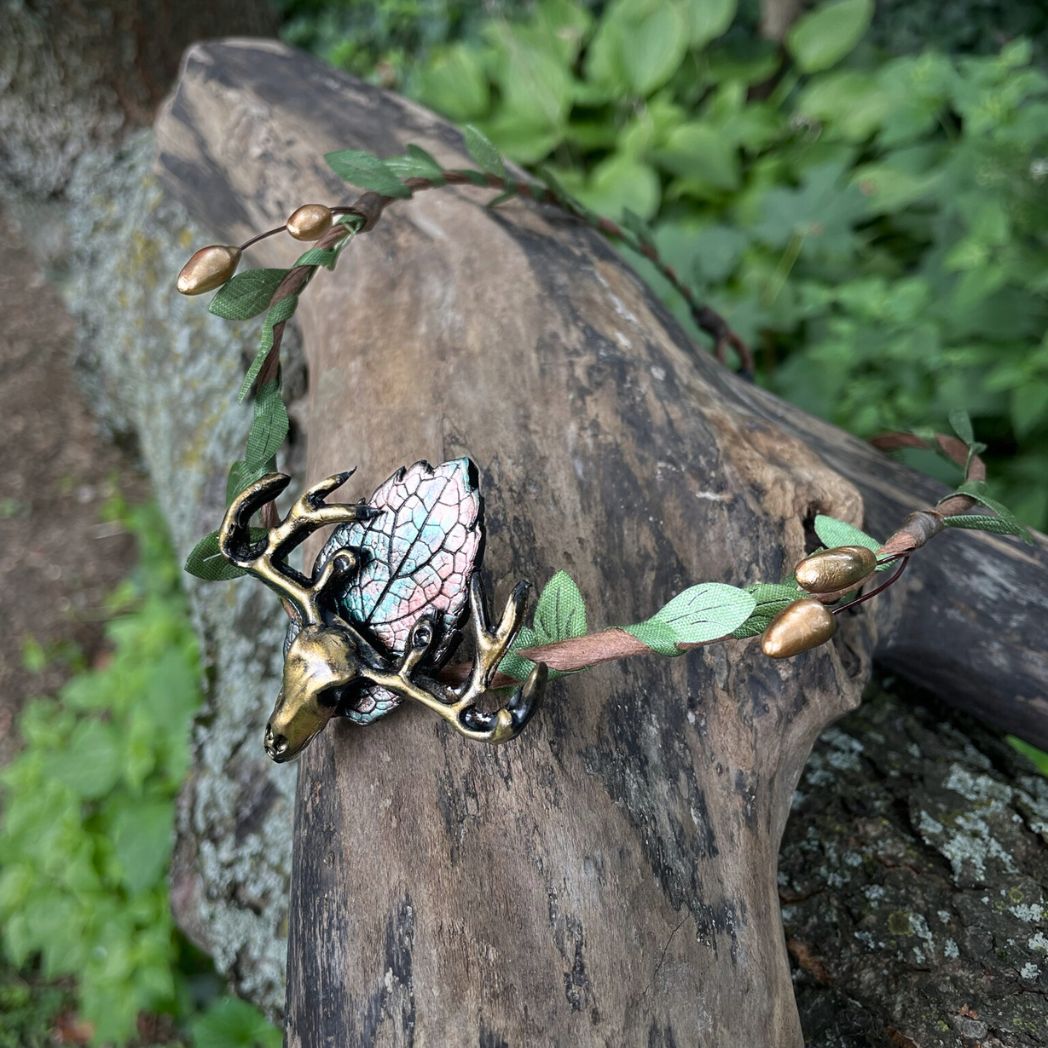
266 558
457 704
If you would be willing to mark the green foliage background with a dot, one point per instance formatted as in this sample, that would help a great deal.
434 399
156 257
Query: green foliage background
874 226
87 830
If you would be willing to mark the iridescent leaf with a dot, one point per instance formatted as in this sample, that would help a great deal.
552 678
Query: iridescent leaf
417 556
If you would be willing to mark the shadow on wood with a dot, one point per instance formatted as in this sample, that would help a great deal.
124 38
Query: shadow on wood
609 878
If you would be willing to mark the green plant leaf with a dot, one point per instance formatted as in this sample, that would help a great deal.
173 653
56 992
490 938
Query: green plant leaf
142 838
701 151
232 1023
976 489
365 170
279 313
1029 407
416 163
560 612
247 294
269 428
654 48
90 765
454 83
620 182
206 562
483 151
708 19
823 37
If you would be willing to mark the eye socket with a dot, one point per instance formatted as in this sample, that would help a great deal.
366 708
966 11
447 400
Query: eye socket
329 697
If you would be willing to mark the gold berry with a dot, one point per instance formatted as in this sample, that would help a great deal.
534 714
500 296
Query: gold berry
805 624
310 221
209 268
835 569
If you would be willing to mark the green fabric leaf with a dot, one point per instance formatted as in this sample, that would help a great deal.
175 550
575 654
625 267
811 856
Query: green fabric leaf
706 612
328 256
985 522
638 227
506 194
976 489
235 482
833 532
657 635
961 424
278 313
318 256
513 665
268 430
823 37
483 151
561 611
770 598
416 163
367 171
206 562
247 294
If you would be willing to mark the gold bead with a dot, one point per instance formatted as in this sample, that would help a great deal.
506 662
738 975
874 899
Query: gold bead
805 624
209 268
835 569
310 221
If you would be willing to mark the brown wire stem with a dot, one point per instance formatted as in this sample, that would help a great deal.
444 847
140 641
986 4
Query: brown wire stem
261 236
903 559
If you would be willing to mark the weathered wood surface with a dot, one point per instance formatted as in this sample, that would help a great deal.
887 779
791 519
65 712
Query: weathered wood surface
610 877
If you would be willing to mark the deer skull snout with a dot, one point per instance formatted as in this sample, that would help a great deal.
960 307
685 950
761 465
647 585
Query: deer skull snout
320 662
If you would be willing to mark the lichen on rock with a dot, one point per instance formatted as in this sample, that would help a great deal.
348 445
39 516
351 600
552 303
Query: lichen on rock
913 877
164 371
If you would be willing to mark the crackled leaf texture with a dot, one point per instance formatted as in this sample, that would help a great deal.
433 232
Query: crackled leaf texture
418 556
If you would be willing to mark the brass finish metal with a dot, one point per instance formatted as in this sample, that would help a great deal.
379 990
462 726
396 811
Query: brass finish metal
310 221
330 655
805 624
208 268
833 570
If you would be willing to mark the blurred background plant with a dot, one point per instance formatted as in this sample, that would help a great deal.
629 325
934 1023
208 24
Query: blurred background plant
873 224
88 824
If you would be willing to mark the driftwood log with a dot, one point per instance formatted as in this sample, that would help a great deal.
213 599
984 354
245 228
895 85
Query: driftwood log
610 878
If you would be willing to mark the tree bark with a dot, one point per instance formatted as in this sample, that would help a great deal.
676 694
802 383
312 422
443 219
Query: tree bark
610 878
78 76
